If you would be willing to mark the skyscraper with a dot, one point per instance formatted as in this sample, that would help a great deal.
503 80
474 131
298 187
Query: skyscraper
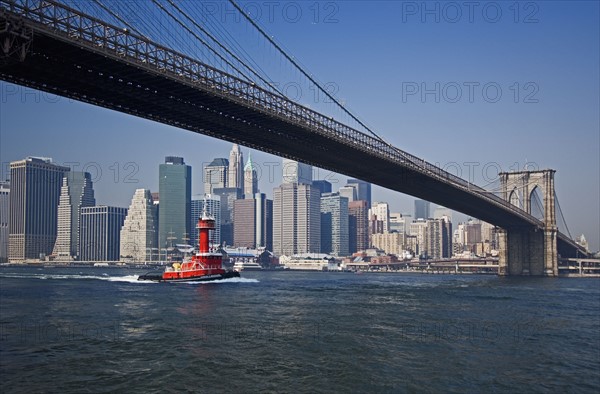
250 179
175 191
358 225
101 233
236 163
334 224
296 219
76 192
382 211
323 186
228 195
4 204
34 196
216 175
438 238
349 192
253 222
363 190
213 208
296 172
421 209
139 234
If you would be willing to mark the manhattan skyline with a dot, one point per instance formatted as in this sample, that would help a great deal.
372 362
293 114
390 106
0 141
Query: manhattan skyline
381 71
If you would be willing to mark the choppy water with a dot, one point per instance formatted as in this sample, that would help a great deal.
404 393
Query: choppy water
99 330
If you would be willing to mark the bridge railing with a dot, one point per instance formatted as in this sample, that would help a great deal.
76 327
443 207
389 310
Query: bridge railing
57 19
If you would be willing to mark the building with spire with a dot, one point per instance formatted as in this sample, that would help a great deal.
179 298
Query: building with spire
250 179
236 163
76 192
139 234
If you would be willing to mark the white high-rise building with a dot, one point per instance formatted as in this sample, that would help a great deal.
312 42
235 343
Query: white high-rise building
213 208
236 165
139 234
4 204
76 192
250 179
382 211
295 172
296 219
397 222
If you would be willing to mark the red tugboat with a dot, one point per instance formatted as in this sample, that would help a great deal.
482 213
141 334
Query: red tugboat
203 266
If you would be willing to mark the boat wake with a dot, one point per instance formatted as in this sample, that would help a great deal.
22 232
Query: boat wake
228 280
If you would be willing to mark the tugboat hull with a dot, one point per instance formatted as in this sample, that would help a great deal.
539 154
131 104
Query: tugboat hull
158 277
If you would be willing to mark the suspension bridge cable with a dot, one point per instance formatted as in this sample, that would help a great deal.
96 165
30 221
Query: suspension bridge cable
233 55
561 215
117 17
299 68
206 44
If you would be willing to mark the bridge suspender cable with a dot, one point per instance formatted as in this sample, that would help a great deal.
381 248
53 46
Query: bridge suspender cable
233 55
206 44
123 21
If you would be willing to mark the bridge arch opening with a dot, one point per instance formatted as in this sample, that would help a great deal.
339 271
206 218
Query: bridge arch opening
536 205
516 198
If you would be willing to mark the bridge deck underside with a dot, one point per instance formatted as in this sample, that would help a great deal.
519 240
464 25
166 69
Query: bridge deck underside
77 72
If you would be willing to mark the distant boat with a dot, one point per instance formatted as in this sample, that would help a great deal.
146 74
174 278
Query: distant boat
247 266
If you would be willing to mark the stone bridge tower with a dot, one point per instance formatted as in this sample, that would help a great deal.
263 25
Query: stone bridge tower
529 250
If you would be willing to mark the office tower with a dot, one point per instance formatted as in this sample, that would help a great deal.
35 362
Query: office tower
228 195
382 211
397 222
76 192
421 209
472 233
175 191
139 234
101 233
33 207
213 208
390 243
323 186
295 172
349 192
358 230
250 179
418 228
236 163
439 212
253 222
334 224
438 238
296 219
4 205
216 175
363 190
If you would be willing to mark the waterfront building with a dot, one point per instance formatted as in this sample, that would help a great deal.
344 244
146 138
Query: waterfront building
358 227
76 192
175 191
139 234
296 219
390 243
334 224
33 207
4 206
101 233
253 222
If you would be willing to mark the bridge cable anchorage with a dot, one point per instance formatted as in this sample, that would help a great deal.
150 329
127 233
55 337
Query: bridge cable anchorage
216 41
120 19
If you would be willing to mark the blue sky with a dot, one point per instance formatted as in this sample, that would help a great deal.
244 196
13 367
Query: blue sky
515 87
